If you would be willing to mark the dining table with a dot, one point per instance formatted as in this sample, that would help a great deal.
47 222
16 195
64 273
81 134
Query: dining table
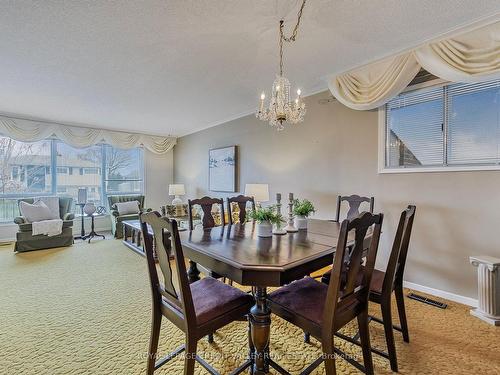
236 252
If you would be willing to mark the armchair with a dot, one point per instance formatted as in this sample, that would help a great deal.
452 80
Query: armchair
25 241
116 218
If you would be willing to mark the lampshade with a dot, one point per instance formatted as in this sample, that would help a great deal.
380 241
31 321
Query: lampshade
260 192
176 189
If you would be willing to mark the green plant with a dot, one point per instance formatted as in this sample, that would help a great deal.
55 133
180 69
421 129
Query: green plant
269 214
303 208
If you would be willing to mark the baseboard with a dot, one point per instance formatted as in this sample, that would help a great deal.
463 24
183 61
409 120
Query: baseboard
442 294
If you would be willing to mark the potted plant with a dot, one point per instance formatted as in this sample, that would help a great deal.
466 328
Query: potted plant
302 209
265 218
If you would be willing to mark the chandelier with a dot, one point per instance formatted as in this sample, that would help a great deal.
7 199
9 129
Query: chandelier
281 109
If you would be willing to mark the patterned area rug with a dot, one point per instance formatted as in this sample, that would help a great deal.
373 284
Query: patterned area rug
86 310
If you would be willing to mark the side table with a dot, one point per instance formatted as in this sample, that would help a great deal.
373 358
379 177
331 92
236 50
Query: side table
93 233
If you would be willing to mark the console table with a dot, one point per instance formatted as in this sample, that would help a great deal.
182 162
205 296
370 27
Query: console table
133 237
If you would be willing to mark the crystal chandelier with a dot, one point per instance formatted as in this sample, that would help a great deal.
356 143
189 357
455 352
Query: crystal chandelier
281 109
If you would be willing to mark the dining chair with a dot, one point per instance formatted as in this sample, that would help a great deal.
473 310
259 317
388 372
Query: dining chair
322 309
207 204
354 203
241 201
197 309
383 284
208 221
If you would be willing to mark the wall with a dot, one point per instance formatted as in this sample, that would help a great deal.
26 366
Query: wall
158 174
335 152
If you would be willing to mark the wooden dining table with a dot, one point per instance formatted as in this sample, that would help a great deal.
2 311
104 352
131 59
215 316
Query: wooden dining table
236 252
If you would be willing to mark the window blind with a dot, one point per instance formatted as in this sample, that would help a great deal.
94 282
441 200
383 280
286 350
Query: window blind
414 132
474 123
453 125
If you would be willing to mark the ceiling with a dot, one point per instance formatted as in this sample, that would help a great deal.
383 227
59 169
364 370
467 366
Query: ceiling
174 67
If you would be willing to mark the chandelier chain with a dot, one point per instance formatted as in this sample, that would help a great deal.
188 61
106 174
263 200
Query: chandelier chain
292 37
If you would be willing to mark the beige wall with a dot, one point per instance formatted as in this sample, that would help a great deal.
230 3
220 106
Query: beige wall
158 174
335 152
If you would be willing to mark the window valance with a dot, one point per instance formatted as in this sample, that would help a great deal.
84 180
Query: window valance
32 131
469 57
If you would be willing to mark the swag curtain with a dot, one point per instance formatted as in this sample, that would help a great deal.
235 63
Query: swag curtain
469 57
32 131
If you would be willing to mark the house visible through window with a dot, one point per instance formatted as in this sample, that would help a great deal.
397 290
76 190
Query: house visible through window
25 171
452 126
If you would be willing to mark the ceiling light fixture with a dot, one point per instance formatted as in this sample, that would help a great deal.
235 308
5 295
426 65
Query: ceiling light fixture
280 108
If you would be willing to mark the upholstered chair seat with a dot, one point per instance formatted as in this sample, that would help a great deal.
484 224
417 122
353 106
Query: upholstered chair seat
212 298
306 297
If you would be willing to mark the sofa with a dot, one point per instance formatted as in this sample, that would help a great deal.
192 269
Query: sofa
25 241
116 218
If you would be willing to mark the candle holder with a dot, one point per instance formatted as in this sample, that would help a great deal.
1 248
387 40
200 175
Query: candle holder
290 228
278 229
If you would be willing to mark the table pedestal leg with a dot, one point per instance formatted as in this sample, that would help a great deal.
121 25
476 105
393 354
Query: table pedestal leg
260 324
193 272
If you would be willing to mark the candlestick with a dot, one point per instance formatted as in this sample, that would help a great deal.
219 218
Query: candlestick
278 227
290 228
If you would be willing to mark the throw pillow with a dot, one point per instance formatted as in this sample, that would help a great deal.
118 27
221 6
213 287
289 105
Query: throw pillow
125 208
37 211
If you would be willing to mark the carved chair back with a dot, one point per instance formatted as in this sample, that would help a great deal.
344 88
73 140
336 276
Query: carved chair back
177 302
354 202
206 204
241 201
346 288
397 259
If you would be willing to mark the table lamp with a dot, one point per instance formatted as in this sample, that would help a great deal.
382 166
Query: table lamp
259 192
177 190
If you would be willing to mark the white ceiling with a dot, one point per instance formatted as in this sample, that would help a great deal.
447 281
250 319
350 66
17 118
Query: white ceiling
174 67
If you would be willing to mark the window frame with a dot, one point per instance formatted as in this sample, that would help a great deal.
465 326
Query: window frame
382 139
53 177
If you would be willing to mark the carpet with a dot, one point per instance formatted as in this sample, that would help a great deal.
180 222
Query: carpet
86 310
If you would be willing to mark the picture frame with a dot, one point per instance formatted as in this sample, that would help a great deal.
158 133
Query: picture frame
222 169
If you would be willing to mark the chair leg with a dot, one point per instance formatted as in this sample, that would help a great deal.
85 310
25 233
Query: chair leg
329 357
364 335
190 358
153 342
210 338
398 291
389 334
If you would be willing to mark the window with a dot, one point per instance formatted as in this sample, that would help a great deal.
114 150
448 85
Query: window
89 158
23 167
62 170
451 127
25 171
123 170
93 170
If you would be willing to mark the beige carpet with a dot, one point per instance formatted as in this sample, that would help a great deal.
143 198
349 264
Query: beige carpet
86 310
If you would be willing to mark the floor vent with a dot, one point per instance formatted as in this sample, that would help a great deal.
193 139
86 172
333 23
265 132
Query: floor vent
428 301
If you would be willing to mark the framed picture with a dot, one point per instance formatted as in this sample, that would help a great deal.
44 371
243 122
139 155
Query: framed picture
222 169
